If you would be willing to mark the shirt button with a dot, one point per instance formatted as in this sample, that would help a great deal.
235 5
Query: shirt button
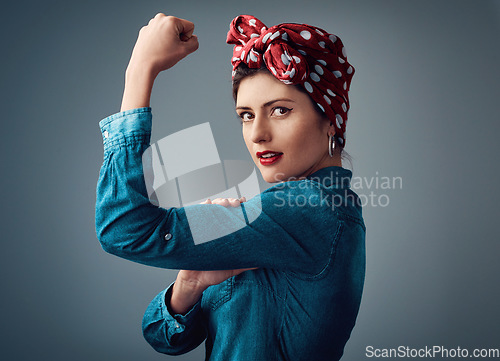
168 236
106 134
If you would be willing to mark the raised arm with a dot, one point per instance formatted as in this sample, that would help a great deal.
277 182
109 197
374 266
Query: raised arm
160 45
265 231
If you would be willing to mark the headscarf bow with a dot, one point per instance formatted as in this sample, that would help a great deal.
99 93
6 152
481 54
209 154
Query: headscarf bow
298 54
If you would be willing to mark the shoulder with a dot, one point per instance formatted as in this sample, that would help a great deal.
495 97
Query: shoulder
295 188
310 198
302 205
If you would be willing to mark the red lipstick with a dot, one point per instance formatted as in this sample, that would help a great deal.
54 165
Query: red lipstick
269 157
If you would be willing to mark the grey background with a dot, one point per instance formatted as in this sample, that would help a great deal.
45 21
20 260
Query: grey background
424 108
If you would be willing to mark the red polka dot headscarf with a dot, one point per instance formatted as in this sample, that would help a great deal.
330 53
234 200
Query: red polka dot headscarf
298 54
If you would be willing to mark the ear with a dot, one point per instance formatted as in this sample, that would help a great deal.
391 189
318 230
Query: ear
331 129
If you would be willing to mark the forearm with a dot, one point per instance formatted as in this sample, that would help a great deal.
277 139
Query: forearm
139 82
184 295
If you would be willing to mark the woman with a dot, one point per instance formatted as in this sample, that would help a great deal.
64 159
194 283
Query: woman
286 286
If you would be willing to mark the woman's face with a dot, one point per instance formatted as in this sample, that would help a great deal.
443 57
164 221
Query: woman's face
281 119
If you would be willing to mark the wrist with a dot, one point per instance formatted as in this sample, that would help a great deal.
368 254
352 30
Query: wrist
187 284
139 82
140 72
184 295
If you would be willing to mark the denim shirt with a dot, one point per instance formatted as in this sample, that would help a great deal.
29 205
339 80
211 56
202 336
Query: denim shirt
308 242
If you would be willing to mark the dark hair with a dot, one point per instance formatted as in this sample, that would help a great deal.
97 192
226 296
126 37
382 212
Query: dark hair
243 71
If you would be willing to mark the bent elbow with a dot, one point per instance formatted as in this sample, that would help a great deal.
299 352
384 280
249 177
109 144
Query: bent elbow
111 238
132 246
109 244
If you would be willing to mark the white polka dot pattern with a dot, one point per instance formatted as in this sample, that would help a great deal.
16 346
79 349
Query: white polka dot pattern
315 77
284 59
266 37
275 35
305 34
339 120
308 87
298 54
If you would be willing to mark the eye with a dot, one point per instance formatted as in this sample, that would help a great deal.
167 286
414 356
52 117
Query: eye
246 117
280 111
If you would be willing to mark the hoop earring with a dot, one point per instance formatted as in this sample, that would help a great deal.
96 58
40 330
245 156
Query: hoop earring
331 145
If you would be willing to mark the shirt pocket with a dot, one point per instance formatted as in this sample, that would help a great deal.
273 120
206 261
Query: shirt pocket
216 295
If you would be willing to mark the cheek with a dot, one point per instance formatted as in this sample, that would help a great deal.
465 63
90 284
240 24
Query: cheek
309 142
301 138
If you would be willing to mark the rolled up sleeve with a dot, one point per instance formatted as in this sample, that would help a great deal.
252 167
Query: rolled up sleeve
169 333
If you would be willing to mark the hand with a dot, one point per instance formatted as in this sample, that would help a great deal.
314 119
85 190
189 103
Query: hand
189 285
226 202
201 280
162 43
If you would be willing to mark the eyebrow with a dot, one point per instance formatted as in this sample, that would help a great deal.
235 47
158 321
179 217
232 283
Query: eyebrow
268 103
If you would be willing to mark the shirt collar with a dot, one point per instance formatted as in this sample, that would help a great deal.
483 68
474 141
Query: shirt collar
334 176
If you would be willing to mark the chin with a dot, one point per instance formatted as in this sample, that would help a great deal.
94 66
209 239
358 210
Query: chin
272 176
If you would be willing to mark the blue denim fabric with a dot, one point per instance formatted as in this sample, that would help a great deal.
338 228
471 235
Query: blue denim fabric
308 242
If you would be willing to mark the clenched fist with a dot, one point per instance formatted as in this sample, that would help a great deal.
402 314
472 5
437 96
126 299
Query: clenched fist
163 42
159 46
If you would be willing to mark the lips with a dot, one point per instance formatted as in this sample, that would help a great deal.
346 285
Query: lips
260 154
269 157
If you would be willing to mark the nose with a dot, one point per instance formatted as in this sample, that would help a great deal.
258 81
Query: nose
261 130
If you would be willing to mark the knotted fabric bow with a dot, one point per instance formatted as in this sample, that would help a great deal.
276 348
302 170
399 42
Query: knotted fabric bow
298 54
